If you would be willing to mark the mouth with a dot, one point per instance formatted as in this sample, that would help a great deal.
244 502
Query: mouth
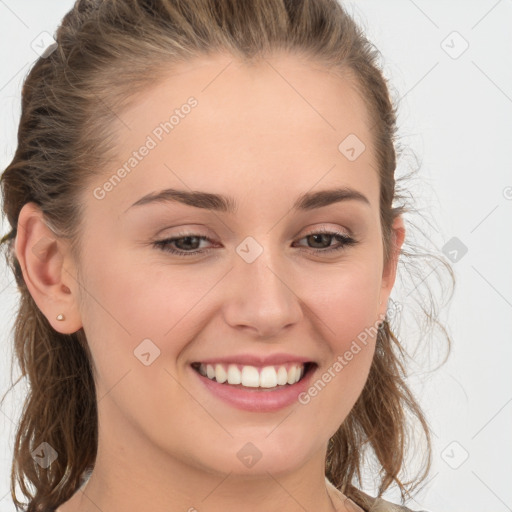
271 377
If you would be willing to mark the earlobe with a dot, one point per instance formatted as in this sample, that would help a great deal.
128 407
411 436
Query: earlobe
41 256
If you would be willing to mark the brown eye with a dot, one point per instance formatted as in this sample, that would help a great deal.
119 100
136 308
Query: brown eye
187 244
321 241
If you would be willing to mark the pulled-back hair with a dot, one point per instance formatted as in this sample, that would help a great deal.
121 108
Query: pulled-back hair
108 50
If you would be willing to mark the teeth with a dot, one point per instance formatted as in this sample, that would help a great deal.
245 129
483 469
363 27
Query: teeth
210 372
252 377
234 375
292 375
268 377
220 374
282 376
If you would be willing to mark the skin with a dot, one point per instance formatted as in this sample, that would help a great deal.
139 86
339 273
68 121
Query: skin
163 438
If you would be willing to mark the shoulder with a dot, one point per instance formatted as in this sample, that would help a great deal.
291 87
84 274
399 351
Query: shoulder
362 502
380 505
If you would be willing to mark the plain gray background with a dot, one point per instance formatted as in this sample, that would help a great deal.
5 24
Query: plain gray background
449 67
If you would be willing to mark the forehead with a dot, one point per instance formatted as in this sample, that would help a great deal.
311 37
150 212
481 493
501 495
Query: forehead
281 119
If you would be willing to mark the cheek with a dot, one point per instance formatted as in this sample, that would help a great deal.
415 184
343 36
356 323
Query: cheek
143 314
137 320
345 299
133 300
345 304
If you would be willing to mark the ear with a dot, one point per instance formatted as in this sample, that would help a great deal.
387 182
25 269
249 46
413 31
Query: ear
42 257
389 271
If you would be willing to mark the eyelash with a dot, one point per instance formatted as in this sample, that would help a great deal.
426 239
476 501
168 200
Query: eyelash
164 245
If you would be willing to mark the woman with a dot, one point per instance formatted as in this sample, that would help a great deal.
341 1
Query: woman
205 237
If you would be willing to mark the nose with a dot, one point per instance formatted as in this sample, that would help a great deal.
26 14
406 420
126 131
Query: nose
262 297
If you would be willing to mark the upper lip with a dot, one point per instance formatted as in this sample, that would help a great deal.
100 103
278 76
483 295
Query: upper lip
257 360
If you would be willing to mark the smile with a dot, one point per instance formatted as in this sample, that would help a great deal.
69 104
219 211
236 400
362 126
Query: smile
253 376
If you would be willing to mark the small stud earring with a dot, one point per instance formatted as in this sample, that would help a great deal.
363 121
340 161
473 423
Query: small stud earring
60 317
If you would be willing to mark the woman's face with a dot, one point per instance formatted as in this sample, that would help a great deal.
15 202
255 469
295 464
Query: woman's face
263 283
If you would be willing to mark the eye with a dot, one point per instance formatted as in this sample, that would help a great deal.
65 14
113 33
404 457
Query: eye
325 236
187 244
185 240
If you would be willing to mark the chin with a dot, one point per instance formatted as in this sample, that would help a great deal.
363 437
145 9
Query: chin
256 456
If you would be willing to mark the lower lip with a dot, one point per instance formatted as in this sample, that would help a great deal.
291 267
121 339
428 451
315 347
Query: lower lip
258 399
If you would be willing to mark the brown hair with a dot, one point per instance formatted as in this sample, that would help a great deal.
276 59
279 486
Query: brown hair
107 51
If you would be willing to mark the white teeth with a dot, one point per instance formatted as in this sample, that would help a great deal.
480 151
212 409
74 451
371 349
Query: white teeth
234 375
268 377
220 374
282 376
252 377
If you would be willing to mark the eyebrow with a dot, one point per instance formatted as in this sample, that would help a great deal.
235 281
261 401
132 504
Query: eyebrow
227 204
